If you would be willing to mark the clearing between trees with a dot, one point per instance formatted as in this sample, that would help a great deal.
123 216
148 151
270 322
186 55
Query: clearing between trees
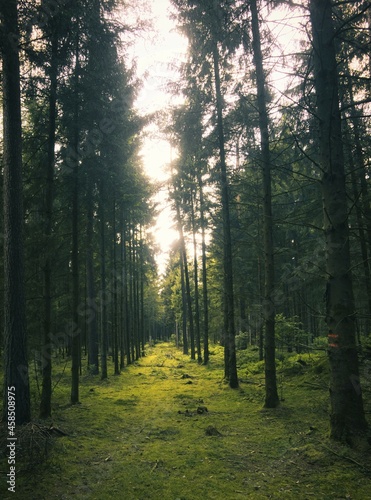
168 428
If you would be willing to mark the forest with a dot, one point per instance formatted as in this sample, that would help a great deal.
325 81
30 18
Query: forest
243 369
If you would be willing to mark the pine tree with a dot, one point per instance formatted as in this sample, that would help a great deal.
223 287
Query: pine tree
15 330
347 413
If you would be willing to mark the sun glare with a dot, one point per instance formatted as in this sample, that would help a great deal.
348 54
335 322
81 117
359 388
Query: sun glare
157 53
156 56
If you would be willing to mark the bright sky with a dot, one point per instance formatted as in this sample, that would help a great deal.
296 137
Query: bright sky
155 54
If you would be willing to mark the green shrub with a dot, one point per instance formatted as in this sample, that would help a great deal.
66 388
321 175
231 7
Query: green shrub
247 356
320 342
289 332
242 341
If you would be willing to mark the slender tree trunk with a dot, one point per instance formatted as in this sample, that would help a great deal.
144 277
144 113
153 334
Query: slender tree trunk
91 323
347 413
46 392
115 291
103 305
15 328
184 304
131 297
186 279
230 344
93 338
195 271
136 296
204 275
125 272
143 335
75 341
123 291
271 394
259 326
189 303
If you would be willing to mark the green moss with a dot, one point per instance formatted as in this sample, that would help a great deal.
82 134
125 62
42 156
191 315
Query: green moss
139 436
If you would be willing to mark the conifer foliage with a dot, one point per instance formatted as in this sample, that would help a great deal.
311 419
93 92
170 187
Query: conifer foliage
88 257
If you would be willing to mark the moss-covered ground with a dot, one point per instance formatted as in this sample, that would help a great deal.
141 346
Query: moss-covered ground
169 429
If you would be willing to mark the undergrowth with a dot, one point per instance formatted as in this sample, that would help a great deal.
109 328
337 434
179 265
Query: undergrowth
170 429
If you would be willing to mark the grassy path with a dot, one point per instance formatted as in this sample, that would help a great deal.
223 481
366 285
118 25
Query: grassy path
145 435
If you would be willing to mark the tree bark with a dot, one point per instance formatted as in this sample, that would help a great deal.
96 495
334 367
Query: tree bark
271 394
230 344
189 302
103 305
186 278
75 341
184 304
93 339
204 275
195 272
46 393
115 291
123 322
347 413
143 335
15 328
125 290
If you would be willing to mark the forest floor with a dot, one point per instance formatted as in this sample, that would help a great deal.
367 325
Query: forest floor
169 429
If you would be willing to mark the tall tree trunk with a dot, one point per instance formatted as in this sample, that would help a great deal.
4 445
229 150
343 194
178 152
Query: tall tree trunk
189 302
126 328
186 278
131 304
184 304
15 328
347 413
103 305
91 322
136 296
93 338
75 341
133 343
195 271
271 393
46 392
115 290
143 335
230 344
204 275
122 291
